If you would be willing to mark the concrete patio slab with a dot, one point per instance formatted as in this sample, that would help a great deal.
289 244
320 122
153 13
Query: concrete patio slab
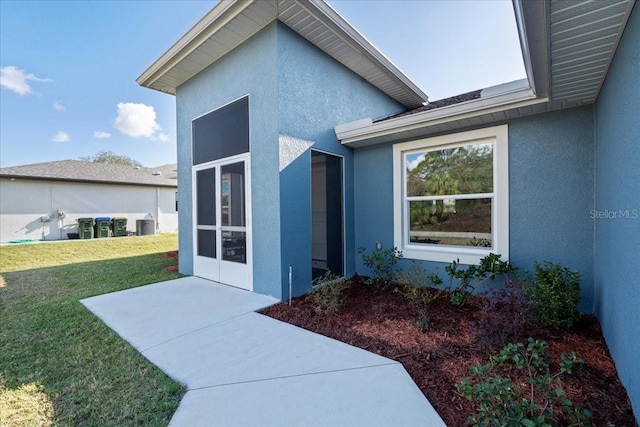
150 315
245 369
380 396
254 347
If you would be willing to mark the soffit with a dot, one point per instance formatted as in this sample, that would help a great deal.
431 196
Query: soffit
230 23
570 45
583 39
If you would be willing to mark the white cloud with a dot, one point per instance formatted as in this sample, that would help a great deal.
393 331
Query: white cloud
101 135
162 137
138 120
16 80
61 137
59 107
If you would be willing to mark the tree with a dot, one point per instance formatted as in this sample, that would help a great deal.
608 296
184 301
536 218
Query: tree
113 158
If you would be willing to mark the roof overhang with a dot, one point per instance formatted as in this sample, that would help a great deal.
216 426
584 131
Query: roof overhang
491 107
232 22
567 49
14 177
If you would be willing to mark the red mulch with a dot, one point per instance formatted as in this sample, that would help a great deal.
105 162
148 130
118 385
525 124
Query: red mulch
170 255
384 323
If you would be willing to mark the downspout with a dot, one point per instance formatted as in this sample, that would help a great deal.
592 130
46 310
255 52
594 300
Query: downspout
157 209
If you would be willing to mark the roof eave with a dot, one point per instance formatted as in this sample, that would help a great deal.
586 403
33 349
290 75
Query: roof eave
86 181
393 71
366 132
532 23
402 88
223 11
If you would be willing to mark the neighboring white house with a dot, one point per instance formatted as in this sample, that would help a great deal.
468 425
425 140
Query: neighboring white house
43 201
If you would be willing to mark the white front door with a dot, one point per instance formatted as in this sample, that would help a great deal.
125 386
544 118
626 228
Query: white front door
222 218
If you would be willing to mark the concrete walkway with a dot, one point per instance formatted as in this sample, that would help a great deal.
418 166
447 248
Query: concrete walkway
245 369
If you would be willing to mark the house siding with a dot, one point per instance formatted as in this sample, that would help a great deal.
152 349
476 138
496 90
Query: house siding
551 193
250 69
315 93
297 94
20 215
549 214
617 239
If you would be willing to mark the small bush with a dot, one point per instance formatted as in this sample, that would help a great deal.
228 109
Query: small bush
417 285
505 315
420 288
424 321
489 267
326 293
381 263
555 294
503 398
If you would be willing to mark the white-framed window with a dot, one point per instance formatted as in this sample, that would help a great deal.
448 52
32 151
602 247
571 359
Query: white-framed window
451 196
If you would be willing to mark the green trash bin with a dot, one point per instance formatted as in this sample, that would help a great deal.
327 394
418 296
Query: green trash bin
102 227
85 228
119 227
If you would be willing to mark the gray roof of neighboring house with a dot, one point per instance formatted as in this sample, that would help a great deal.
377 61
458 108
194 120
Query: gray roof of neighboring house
102 173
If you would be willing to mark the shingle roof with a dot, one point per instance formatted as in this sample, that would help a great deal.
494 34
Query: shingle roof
84 171
168 171
469 96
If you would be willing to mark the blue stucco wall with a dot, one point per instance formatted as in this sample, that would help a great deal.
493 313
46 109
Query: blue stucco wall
551 195
373 198
316 93
249 69
617 236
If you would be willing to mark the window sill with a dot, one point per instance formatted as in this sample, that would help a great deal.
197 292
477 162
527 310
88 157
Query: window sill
448 254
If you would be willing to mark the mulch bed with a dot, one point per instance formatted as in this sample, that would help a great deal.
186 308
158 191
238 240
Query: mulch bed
384 322
169 255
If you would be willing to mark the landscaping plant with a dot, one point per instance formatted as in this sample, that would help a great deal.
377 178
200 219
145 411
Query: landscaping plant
468 279
505 314
381 263
326 293
555 294
517 388
421 289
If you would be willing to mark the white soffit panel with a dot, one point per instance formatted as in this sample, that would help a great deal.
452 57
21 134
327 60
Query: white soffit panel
584 36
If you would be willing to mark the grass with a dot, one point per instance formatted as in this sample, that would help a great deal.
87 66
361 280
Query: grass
59 364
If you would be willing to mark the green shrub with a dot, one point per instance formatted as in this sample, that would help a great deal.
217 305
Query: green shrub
502 398
505 314
417 285
489 267
555 295
326 293
381 263
421 289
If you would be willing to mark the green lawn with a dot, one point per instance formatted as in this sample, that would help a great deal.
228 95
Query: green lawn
59 364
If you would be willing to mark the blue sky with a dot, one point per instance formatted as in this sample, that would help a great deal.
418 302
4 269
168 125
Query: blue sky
69 68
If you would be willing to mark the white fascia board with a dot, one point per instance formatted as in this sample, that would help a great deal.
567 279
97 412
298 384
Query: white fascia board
524 44
357 131
505 88
222 12
354 35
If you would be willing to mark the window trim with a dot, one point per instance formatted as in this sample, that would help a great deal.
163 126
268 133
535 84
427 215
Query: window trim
499 208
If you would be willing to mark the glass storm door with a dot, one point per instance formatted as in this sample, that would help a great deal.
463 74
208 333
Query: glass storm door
222 236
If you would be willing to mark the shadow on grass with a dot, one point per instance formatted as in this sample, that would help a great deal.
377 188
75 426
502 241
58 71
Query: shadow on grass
91 376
